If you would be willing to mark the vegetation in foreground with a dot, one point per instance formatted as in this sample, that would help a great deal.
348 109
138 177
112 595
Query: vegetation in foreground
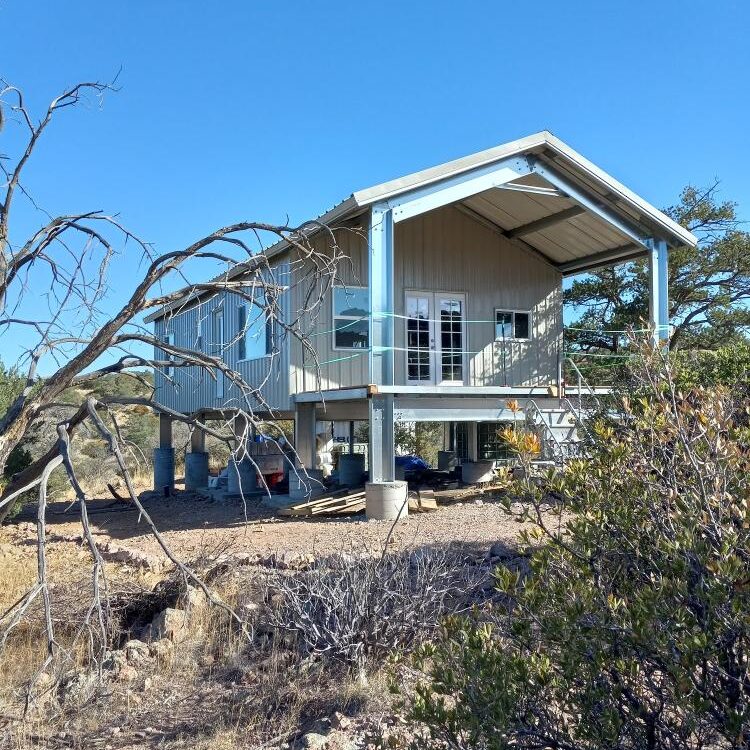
631 628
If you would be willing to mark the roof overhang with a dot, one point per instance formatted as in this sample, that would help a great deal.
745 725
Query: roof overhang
536 191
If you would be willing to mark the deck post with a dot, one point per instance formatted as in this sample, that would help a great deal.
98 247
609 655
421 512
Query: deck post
304 434
659 291
196 461
351 436
382 459
164 458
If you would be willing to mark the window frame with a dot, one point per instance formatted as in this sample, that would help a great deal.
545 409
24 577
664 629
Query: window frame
334 317
242 336
168 370
496 439
513 312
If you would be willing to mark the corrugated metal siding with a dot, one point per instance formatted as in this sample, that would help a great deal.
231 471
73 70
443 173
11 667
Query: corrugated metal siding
442 251
448 251
193 388
338 368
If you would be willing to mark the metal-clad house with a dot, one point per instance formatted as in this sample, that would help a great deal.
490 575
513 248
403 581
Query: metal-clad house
450 304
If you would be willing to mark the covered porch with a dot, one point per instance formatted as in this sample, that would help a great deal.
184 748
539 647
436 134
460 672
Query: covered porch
541 197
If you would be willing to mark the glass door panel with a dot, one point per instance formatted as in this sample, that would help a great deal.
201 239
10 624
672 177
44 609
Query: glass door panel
451 323
419 339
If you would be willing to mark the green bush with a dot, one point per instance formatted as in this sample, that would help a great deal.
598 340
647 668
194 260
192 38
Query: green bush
729 365
631 628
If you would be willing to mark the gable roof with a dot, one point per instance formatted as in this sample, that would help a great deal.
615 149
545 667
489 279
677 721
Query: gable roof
567 226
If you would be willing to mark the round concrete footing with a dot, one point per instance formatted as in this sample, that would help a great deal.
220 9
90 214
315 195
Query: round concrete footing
386 501
164 470
241 477
305 485
477 472
351 469
196 470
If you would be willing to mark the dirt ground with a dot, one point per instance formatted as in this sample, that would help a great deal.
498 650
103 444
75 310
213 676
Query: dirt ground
199 700
194 526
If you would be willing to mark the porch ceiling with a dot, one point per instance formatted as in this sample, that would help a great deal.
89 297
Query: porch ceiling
554 225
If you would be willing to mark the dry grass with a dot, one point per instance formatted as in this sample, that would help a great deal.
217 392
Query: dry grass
220 689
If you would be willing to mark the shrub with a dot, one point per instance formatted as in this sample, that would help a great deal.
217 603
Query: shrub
352 609
631 629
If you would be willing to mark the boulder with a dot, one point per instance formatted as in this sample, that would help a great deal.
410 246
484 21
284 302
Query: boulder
162 650
193 599
136 651
313 740
170 623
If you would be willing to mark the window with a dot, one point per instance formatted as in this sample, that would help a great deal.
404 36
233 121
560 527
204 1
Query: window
168 339
351 317
459 440
255 332
198 332
512 324
489 443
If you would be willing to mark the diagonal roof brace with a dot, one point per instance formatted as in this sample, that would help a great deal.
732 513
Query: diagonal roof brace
582 198
546 222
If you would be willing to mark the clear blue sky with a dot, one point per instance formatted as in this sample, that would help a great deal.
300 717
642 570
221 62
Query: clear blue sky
245 110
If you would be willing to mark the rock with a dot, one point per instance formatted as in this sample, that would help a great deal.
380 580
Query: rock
498 549
127 674
136 651
162 649
148 683
339 721
114 661
78 687
246 558
289 560
112 552
170 623
314 740
194 598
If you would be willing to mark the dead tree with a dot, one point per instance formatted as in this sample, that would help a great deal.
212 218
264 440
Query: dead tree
70 255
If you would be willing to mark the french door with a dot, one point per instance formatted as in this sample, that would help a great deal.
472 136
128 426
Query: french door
435 338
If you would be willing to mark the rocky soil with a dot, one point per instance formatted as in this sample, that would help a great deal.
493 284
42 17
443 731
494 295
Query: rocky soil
175 680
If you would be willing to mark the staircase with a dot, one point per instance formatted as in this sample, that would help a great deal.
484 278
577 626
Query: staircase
558 428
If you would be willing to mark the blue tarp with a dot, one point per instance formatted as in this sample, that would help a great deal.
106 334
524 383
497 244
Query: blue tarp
412 463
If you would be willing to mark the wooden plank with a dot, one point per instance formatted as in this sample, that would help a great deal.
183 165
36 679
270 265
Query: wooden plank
351 509
314 506
314 501
334 508
421 506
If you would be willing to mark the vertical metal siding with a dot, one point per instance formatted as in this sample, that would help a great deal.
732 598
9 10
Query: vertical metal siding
338 368
194 388
448 251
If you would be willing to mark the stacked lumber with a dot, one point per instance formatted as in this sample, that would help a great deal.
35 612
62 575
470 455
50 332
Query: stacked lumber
342 502
346 502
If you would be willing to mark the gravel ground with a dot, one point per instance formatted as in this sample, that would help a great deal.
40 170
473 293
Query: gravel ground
193 526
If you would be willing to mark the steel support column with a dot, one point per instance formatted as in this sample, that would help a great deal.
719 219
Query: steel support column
381 296
382 463
658 306
382 456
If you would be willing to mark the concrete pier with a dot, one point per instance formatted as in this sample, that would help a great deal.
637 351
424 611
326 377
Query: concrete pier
196 470
164 470
386 501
